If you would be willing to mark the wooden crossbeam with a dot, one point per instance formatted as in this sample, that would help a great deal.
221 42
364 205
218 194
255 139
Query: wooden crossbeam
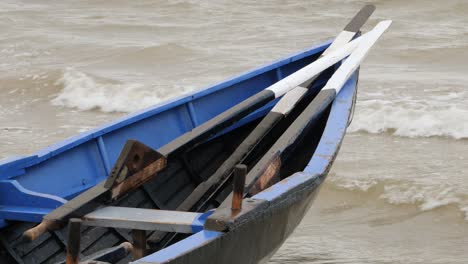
142 219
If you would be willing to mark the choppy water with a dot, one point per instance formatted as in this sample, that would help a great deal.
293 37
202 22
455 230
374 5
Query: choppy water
398 192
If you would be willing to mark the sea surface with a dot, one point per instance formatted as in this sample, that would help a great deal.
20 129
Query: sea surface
398 192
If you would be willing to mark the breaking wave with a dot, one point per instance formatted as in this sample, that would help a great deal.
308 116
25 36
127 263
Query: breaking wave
84 92
411 119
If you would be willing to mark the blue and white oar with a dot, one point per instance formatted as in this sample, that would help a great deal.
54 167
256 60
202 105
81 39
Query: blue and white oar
207 189
267 169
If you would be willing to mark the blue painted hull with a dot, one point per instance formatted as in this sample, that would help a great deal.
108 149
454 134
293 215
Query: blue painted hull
32 186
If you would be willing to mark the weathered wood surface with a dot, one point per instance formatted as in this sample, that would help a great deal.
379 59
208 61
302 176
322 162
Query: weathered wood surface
74 241
136 165
240 171
143 219
139 243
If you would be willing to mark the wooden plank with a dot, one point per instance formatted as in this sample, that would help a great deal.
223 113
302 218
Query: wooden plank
43 252
10 251
156 202
142 219
111 255
91 235
109 239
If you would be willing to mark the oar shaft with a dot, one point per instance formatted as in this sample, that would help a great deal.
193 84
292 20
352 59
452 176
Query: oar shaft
218 123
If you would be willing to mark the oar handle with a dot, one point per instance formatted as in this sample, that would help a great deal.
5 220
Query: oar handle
35 232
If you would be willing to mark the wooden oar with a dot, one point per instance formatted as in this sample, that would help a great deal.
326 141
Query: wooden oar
261 175
206 189
235 113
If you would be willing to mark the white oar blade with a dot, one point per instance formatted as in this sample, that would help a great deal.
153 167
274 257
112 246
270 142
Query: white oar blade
299 77
351 64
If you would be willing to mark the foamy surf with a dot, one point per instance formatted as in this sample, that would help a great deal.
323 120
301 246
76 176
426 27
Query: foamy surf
83 92
411 118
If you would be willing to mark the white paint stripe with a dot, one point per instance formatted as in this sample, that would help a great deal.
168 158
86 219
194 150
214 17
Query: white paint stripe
350 65
301 76
289 100
340 40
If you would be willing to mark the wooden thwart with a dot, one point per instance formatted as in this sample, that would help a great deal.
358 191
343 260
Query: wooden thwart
136 219
142 219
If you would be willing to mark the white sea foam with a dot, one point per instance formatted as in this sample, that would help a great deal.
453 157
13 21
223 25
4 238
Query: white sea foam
411 118
84 92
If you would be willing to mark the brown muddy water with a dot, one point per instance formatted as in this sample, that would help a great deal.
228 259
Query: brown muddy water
398 192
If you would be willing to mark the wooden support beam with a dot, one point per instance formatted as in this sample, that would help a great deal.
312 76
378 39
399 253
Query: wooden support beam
74 240
139 243
240 171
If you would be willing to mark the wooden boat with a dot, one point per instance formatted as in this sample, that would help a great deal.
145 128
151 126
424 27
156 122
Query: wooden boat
32 187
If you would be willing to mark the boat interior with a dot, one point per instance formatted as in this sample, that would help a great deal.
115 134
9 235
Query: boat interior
169 188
